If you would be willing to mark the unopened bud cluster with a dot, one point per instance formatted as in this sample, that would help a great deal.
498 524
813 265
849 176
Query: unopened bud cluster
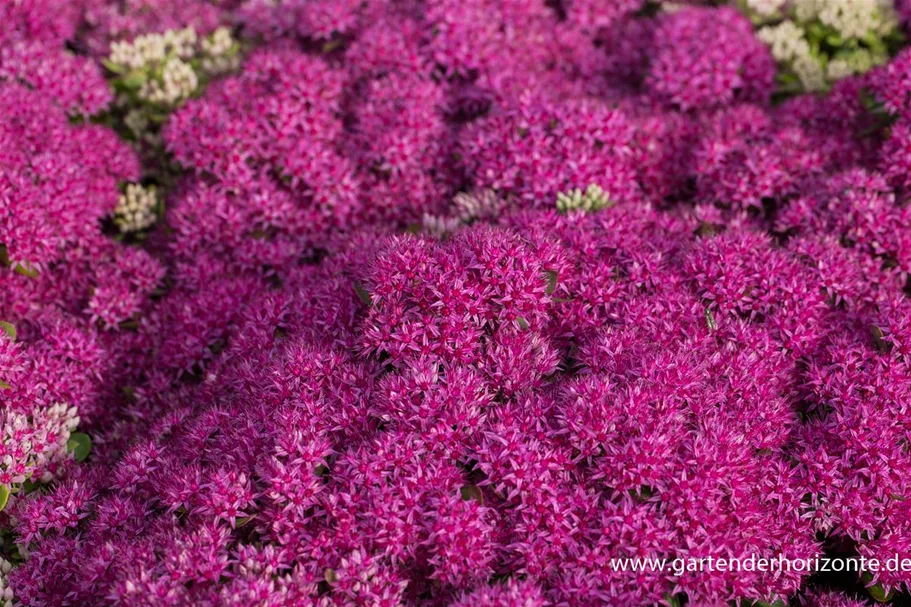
592 199
178 81
6 593
467 208
219 52
164 70
34 444
137 208
817 42
154 49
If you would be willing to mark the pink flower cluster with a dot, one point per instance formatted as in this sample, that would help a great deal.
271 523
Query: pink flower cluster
297 397
65 285
33 55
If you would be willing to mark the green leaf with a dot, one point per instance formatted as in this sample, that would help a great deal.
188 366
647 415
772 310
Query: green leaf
133 80
472 492
4 496
330 576
4 385
80 445
786 78
158 117
523 324
363 294
9 329
673 600
332 45
113 67
552 276
881 344
877 591
130 324
643 493
25 271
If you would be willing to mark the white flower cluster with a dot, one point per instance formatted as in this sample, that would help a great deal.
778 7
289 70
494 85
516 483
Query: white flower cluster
765 8
846 24
672 7
468 207
178 81
219 52
850 18
154 49
592 199
440 226
6 593
168 68
857 63
137 121
35 443
789 46
472 206
137 208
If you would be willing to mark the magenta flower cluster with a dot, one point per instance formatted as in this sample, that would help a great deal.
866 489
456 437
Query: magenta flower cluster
299 395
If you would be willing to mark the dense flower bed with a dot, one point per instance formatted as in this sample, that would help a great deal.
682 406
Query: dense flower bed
452 302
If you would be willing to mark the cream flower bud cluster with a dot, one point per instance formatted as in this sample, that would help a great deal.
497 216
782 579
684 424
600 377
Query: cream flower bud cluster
853 21
789 45
850 18
592 199
858 63
137 208
178 82
6 593
672 7
35 443
219 52
440 226
219 43
468 207
168 68
152 49
765 8
137 121
483 204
